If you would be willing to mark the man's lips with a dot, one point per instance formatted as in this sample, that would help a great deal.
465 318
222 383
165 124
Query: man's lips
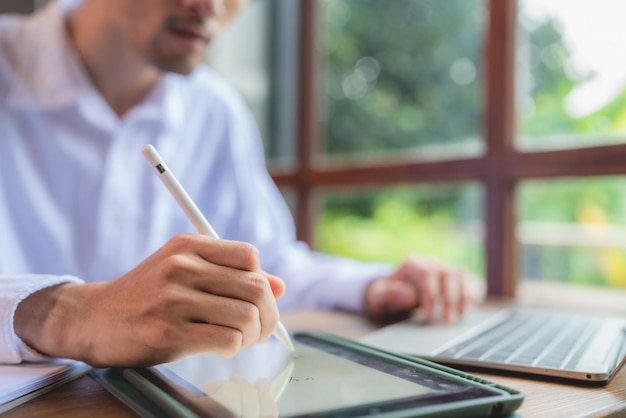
190 31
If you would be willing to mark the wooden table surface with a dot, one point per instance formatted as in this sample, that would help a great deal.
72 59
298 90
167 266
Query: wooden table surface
85 398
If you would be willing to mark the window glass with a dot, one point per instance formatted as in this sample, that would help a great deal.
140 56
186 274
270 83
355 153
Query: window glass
573 230
571 78
442 222
239 54
257 54
402 75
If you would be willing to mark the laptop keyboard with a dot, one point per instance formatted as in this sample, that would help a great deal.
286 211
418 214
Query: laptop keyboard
537 339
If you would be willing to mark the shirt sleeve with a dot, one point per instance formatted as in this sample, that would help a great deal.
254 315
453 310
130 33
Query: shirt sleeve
13 290
313 279
318 280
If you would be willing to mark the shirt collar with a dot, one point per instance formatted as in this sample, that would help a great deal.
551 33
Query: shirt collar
49 75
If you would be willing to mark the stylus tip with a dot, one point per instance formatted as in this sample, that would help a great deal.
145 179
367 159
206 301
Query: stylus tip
280 332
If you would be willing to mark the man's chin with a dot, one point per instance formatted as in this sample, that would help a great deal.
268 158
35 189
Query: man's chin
181 66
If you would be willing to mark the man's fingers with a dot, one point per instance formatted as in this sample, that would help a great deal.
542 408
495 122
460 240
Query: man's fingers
253 288
443 291
452 293
423 274
463 298
387 297
209 338
439 291
445 288
234 254
226 268
276 284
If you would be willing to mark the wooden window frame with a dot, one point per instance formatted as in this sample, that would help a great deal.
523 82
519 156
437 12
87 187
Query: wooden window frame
498 170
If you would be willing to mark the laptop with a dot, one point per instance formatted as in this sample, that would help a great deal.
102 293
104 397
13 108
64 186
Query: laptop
536 341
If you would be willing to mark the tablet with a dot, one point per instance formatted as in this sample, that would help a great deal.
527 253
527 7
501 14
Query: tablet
326 376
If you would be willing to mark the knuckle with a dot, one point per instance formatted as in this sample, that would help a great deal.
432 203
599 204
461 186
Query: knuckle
172 299
250 255
173 264
178 242
160 335
273 320
232 343
249 313
258 285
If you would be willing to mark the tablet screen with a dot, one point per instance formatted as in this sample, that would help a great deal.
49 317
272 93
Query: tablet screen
320 378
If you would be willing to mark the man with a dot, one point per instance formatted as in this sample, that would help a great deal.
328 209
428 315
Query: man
97 262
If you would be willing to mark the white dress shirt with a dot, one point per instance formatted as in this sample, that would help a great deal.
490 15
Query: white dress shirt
78 202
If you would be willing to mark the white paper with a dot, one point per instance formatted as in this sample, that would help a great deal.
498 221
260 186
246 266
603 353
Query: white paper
17 380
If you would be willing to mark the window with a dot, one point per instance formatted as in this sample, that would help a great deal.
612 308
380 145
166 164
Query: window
388 223
570 91
485 124
412 86
570 87
257 54
573 230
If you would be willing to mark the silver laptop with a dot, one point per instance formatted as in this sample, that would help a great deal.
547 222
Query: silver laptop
538 341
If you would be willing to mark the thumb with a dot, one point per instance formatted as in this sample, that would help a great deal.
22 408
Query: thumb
389 297
277 284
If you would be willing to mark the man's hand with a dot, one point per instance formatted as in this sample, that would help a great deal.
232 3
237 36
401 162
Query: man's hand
425 284
195 294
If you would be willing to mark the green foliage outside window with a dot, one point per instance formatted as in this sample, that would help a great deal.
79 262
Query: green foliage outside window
389 224
400 74
403 74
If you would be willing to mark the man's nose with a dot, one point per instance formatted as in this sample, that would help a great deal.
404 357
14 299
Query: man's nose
205 8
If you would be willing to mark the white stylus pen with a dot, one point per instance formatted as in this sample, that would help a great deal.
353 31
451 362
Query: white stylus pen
195 216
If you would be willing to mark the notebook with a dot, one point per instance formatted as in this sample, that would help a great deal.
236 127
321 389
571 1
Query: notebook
536 341
22 382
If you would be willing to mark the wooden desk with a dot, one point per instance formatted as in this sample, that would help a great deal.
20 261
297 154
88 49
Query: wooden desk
84 397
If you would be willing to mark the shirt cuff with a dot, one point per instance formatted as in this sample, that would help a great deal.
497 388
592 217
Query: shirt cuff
13 290
324 281
348 289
